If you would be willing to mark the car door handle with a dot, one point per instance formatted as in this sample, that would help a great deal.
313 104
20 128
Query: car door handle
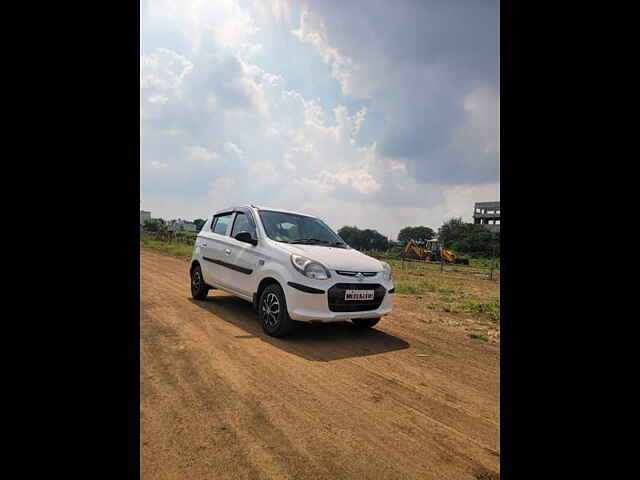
227 251
203 244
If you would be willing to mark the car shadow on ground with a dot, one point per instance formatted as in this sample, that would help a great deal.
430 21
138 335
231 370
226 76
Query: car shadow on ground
315 342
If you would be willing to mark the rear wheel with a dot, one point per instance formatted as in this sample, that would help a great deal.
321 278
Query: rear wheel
199 290
272 312
365 322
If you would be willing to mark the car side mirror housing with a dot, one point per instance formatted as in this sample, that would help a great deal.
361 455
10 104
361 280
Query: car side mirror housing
246 238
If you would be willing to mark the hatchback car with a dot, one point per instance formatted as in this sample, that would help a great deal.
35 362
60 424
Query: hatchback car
291 266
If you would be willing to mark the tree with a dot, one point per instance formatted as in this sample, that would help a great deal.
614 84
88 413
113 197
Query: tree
470 239
451 231
363 239
157 226
351 235
418 234
151 225
199 223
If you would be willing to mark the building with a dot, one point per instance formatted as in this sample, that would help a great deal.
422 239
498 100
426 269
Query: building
144 217
488 215
181 226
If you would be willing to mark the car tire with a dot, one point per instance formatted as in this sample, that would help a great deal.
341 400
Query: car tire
272 312
365 322
199 289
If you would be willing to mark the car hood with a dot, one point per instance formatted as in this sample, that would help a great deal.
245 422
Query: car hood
336 258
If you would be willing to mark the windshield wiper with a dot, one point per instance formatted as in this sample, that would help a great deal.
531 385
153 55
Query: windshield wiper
309 241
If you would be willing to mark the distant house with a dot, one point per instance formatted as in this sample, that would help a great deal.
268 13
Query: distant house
144 217
180 225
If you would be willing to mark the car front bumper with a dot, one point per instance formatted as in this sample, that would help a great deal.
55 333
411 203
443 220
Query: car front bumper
305 306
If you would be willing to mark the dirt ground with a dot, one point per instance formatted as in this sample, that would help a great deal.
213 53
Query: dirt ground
412 398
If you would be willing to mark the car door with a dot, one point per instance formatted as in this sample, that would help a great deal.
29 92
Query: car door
213 247
242 258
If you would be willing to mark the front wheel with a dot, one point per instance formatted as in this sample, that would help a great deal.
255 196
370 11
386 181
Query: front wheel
365 322
199 290
272 312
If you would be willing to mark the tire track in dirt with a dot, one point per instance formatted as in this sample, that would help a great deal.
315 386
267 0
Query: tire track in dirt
219 399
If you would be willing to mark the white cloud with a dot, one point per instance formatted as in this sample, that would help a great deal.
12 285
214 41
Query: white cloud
222 22
156 164
201 156
233 148
163 71
313 31
361 179
459 200
482 134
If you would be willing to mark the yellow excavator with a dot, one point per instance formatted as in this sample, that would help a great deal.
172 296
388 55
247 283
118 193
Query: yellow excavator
414 251
432 252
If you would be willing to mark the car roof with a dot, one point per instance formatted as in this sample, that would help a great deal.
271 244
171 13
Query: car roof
282 210
274 209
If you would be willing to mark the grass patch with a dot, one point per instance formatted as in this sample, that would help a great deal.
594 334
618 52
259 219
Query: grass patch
485 263
408 289
450 291
477 336
490 309
180 250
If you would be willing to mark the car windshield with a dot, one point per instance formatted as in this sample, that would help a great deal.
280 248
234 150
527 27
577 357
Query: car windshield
292 228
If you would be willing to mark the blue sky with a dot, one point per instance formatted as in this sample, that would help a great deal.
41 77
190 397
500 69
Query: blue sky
370 113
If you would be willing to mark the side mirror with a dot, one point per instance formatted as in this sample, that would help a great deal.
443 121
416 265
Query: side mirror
246 238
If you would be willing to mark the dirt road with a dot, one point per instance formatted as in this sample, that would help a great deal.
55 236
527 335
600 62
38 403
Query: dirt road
221 400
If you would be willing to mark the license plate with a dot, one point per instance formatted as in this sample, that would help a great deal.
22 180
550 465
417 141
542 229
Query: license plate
358 295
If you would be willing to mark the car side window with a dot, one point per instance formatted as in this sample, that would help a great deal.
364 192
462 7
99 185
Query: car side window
242 224
220 223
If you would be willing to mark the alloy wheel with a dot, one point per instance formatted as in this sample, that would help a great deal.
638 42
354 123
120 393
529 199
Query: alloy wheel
270 310
196 281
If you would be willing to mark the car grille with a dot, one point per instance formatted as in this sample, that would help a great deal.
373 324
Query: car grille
337 303
349 273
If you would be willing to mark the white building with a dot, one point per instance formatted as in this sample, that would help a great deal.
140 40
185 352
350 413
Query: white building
144 216
181 226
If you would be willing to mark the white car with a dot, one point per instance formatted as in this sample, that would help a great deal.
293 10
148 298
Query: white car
291 266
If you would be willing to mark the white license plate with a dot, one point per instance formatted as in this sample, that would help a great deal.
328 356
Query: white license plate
358 295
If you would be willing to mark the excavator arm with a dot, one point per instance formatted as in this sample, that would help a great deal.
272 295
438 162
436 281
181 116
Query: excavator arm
411 250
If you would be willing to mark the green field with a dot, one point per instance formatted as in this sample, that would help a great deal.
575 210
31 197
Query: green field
463 290
473 262
174 249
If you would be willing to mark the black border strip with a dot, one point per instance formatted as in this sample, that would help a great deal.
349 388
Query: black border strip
304 288
246 271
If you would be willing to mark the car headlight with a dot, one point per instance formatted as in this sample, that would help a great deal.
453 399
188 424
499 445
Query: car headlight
309 268
386 270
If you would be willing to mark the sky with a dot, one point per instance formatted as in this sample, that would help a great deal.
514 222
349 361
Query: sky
370 113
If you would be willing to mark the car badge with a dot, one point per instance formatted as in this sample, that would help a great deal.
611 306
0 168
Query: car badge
359 276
